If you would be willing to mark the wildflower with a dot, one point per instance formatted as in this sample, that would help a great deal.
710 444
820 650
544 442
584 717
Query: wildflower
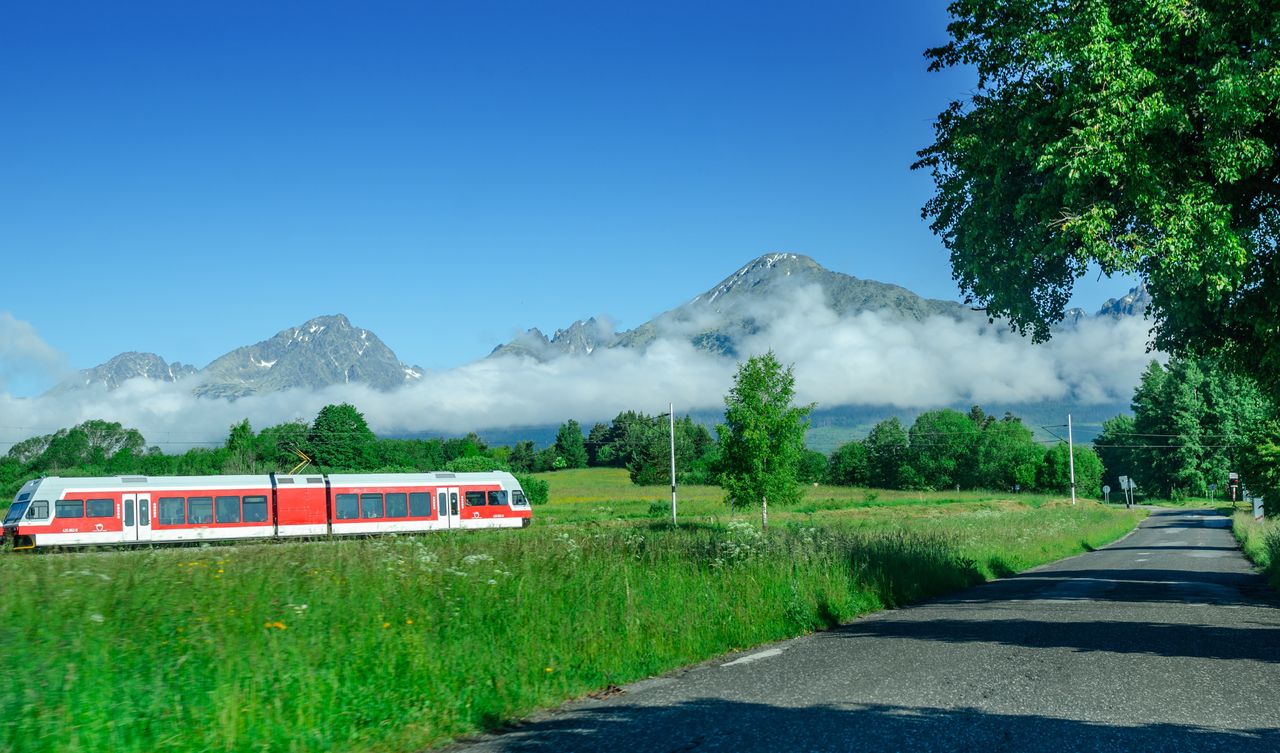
408 622
550 670
95 617
220 571
492 582
386 625
472 559
277 625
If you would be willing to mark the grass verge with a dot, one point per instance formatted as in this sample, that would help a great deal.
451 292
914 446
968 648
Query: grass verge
1260 541
396 644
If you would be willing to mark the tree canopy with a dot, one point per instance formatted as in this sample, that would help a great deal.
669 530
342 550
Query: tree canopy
762 437
1139 135
1193 423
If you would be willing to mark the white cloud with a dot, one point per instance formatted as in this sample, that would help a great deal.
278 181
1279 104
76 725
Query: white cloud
25 356
864 359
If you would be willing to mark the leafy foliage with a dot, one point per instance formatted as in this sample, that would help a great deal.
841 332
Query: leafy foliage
1194 422
887 454
848 465
762 438
571 445
340 438
1139 135
941 443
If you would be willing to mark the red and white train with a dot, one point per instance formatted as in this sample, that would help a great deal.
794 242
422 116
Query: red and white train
138 510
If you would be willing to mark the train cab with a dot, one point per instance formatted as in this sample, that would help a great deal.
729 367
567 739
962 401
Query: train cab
30 510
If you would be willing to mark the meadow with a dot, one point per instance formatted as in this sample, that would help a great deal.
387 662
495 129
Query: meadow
401 643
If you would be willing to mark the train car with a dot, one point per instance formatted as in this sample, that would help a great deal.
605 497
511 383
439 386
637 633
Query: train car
50 512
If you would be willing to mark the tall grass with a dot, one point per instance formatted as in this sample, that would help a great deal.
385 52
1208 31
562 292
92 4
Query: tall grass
394 644
1260 541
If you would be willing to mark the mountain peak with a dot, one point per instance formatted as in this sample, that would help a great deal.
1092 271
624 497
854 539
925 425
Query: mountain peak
762 269
321 351
124 367
1135 303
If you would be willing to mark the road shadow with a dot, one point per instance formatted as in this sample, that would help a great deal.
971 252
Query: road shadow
1127 586
1260 643
741 727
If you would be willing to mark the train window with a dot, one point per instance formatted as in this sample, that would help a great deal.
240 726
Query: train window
474 499
397 505
69 508
371 505
227 509
517 498
444 504
199 510
346 506
498 498
39 510
255 509
173 511
100 508
128 514
144 512
420 504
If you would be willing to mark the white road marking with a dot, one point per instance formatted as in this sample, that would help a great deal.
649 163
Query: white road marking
754 657
1141 559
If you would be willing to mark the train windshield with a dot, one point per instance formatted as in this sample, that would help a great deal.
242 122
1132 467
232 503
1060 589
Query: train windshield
517 499
16 512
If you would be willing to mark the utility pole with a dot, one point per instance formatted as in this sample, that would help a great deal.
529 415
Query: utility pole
671 415
1071 459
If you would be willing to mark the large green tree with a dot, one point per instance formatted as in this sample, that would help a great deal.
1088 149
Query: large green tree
1138 135
340 439
886 451
941 443
848 465
1005 456
571 445
762 436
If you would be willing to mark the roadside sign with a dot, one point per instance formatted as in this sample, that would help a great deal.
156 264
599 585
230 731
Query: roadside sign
1106 492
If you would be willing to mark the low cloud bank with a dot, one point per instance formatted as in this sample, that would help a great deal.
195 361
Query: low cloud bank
864 359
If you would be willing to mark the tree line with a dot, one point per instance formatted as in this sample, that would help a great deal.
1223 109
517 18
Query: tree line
948 449
1194 421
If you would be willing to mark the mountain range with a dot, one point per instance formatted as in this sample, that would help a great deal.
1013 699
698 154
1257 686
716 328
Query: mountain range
323 351
329 350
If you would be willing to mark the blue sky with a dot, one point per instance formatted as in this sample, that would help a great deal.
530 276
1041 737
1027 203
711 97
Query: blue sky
186 178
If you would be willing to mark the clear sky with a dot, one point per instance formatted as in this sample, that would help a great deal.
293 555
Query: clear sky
186 178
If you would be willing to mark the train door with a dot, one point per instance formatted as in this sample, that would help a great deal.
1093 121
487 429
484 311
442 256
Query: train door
452 511
144 517
137 517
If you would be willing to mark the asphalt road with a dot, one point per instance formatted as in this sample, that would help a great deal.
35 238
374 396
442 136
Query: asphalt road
1165 641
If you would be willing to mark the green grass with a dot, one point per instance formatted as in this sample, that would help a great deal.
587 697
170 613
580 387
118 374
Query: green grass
396 644
1260 541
